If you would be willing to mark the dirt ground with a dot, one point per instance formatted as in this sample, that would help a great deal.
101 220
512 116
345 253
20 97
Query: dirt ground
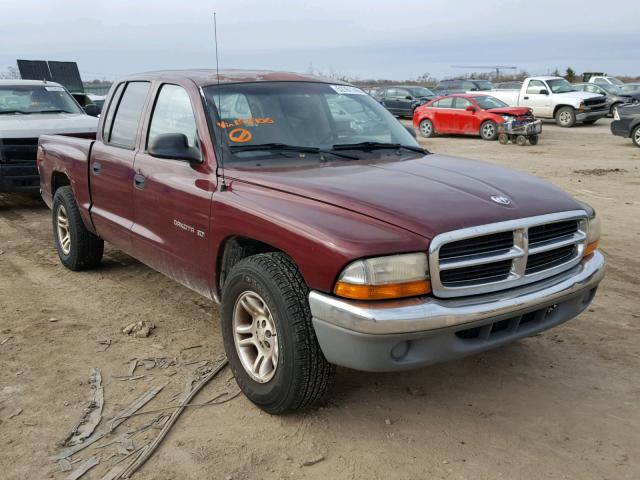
560 405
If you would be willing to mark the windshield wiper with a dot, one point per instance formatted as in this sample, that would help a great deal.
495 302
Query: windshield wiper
8 112
286 147
376 146
54 111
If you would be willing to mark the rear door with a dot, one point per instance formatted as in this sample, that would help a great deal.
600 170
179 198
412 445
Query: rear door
463 120
172 197
111 165
444 115
538 102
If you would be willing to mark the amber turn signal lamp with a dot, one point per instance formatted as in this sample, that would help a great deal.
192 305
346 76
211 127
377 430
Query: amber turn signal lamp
590 248
382 292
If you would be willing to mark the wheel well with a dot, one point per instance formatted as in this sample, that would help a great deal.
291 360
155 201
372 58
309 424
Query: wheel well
58 179
558 107
235 249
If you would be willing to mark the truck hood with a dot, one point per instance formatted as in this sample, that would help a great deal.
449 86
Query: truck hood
426 195
578 95
36 124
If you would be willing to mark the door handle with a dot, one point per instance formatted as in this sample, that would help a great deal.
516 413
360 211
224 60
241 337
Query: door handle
526 98
138 181
96 168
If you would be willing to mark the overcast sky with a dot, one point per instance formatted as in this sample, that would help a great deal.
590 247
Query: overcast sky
364 39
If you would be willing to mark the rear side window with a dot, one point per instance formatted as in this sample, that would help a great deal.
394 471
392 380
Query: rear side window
444 103
173 114
108 119
127 117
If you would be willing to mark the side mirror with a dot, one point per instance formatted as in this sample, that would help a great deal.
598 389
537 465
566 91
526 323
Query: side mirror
92 109
411 131
544 91
174 146
470 108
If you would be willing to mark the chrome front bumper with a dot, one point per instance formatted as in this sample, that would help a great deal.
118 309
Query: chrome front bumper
413 332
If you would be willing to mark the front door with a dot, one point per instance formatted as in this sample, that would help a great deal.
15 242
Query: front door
540 103
111 165
465 121
172 197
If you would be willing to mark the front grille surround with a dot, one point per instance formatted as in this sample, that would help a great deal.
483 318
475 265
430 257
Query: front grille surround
556 247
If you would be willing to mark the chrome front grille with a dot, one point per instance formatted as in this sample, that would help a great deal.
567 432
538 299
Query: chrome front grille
504 255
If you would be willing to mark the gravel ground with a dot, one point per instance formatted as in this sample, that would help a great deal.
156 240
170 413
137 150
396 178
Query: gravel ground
560 405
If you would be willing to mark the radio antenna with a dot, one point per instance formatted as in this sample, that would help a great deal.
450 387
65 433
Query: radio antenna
223 185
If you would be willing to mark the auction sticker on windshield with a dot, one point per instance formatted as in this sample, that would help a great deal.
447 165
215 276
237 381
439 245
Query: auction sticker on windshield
347 90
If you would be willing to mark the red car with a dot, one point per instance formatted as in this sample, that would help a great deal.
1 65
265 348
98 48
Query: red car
467 115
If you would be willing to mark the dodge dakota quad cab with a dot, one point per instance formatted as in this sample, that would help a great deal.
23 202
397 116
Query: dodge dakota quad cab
29 109
554 97
327 234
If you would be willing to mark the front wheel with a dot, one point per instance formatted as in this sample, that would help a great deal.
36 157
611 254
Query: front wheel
426 128
488 130
566 117
268 335
635 135
503 138
78 248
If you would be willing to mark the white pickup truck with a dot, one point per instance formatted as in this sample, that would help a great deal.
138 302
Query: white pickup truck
554 97
28 109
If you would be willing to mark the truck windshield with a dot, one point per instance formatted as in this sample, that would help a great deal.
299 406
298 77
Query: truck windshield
276 119
560 85
486 102
31 99
615 81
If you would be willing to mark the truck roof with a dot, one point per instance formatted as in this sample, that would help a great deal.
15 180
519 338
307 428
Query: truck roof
28 82
545 77
204 77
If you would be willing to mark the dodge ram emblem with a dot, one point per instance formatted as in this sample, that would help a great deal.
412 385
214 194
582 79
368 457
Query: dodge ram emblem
502 200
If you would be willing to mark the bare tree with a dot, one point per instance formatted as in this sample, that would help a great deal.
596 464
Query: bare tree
11 73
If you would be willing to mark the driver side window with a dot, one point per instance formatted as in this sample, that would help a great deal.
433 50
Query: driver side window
173 114
535 87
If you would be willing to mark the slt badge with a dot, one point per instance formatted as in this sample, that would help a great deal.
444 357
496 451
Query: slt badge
502 200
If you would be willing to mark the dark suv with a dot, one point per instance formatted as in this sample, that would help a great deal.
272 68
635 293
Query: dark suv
402 100
462 86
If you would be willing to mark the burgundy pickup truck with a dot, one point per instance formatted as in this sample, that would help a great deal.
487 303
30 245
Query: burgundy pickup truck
317 221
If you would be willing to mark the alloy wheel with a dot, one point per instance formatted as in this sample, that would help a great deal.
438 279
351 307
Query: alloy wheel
64 235
255 336
565 118
426 128
488 130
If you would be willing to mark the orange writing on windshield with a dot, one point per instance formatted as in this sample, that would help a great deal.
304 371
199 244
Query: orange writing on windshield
245 122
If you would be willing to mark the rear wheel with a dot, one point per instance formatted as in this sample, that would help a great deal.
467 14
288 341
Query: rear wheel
78 248
635 135
426 128
521 140
533 139
268 335
566 117
503 138
488 130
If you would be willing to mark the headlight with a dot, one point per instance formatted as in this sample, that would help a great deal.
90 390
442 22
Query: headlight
507 118
381 278
593 235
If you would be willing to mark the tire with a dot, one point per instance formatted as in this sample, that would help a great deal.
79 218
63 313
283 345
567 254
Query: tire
78 248
503 138
635 136
521 140
614 109
534 139
489 130
296 374
426 128
566 117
